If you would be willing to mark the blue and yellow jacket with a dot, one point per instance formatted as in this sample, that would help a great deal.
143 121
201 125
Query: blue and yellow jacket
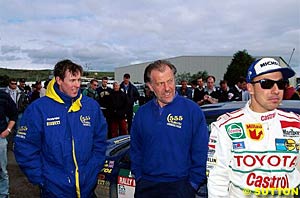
61 143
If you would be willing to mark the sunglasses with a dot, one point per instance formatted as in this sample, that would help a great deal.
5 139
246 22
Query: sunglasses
13 83
268 84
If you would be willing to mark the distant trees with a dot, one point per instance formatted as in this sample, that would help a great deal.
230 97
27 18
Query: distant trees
4 80
187 76
238 67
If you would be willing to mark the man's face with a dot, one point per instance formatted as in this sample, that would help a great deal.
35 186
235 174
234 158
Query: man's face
116 86
210 83
104 83
13 85
70 85
22 84
126 80
263 100
163 86
200 82
94 85
242 85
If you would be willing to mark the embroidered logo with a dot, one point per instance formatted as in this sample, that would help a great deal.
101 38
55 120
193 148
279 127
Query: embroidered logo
85 120
286 145
255 131
235 131
174 120
53 121
238 145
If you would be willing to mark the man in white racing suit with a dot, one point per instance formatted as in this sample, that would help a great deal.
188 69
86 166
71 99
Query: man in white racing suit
257 147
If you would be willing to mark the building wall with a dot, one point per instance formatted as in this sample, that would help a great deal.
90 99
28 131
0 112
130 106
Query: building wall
214 65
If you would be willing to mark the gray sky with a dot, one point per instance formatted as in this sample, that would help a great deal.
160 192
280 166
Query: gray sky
103 34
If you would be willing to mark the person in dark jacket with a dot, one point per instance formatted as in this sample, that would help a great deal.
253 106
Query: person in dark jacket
116 111
8 111
61 142
132 94
169 139
103 91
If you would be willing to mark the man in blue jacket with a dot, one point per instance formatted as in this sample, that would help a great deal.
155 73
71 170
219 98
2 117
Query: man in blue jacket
61 142
169 139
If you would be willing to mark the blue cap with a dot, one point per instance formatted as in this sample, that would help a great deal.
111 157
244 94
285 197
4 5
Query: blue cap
267 65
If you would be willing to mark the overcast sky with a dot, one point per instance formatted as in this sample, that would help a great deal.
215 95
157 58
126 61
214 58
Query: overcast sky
104 34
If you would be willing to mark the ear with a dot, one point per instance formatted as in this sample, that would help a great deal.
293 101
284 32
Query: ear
58 80
150 86
250 88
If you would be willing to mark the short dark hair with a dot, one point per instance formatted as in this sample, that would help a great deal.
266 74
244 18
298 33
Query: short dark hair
223 82
104 78
211 76
22 80
62 66
126 75
159 65
241 79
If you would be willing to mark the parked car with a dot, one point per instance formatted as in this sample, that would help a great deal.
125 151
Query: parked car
116 180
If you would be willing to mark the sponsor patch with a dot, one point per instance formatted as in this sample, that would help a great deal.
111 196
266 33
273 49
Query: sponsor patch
175 120
286 124
255 131
286 145
235 131
238 145
290 129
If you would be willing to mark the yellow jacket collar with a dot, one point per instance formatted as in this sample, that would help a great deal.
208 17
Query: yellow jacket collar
51 93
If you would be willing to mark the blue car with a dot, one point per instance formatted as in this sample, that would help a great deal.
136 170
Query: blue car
115 179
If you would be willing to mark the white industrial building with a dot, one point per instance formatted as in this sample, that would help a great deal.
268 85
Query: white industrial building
214 65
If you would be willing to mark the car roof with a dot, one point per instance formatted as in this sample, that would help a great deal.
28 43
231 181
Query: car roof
225 107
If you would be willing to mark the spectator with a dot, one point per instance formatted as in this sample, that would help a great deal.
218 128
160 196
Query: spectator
8 118
61 142
36 88
290 92
224 92
24 100
13 90
91 90
199 91
211 94
238 89
169 139
252 145
148 96
116 111
103 92
132 94
184 90
193 87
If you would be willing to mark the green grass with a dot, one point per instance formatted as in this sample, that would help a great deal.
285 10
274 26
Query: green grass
34 75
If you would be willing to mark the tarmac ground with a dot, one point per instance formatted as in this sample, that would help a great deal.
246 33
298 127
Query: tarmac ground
19 186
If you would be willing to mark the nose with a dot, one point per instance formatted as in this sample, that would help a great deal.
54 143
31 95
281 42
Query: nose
275 89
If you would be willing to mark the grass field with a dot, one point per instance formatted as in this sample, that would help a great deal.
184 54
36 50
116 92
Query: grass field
34 75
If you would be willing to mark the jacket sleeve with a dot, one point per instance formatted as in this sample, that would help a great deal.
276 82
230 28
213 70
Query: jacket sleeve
27 145
218 180
199 149
136 149
99 144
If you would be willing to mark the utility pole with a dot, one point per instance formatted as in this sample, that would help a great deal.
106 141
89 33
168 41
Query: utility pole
291 56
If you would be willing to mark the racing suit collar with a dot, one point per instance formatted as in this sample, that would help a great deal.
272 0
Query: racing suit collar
261 117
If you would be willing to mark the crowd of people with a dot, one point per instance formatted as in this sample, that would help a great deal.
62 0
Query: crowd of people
61 131
211 93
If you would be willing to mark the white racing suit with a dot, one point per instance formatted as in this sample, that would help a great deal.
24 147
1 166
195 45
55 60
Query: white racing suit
257 154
